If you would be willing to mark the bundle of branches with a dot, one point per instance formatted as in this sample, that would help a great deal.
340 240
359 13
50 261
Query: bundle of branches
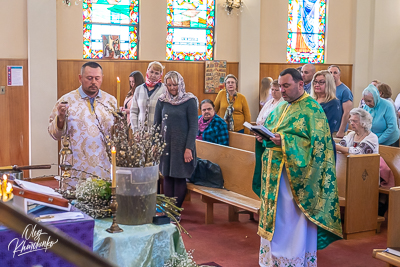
93 198
143 148
168 206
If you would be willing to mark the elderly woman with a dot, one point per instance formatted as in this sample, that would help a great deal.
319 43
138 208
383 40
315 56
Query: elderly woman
135 79
265 91
384 119
361 140
146 96
177 111
323 90
271 104
232 106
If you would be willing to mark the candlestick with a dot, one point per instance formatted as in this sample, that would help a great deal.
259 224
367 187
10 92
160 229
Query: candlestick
118 92
114 166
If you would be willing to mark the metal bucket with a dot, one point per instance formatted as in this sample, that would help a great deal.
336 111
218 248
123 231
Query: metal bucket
13 175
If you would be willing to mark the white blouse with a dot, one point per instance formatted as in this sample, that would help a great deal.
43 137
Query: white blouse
266 110
369 145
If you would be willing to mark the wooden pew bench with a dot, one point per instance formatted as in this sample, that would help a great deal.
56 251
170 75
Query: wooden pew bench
237 168
391 155
357 180
393 231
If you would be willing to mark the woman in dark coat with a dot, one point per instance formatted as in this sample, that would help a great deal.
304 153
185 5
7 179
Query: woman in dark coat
177 110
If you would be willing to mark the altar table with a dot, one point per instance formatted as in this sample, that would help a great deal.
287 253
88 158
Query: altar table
79 229
146 245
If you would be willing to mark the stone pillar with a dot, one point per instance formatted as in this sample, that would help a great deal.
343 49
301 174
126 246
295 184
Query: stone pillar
249 47
42 71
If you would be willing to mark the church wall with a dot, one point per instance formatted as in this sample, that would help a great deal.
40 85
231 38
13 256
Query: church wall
13 29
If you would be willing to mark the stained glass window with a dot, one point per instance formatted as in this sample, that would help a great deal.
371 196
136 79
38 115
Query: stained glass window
190 29
306 31
110 29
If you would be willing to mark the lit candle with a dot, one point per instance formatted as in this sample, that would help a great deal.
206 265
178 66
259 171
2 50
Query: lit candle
114 166
118 92
4 183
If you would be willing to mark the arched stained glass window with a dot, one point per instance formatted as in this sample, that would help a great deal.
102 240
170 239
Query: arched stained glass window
110 29
190 29
306 31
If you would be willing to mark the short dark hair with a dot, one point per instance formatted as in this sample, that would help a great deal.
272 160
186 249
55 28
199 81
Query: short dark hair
91 64
335 66
207 101
296 75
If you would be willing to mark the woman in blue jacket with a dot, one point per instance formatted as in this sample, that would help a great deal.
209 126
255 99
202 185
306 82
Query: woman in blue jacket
384 122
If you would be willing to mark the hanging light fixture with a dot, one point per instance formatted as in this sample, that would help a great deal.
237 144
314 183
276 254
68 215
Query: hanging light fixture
233 4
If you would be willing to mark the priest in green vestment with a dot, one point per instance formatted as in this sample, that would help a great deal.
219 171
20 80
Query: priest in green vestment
295 178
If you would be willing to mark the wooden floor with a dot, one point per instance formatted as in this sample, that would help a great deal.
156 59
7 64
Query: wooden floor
236 244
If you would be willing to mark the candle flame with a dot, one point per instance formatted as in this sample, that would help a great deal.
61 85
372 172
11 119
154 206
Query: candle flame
4 177
9 188
118 80
113 150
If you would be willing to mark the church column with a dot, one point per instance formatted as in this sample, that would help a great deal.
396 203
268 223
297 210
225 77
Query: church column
42 72
363 52
249 47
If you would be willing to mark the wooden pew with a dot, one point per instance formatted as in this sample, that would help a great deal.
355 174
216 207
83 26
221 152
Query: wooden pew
358 179
391 155
242 141
237 168
393 232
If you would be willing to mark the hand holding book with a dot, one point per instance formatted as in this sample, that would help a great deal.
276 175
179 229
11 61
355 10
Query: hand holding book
259 130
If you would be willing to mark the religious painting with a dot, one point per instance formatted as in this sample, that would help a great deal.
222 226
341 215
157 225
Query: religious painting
215 76
306 31
110 18
190 30
111 47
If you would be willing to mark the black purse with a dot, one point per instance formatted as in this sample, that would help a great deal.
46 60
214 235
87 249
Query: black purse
207 174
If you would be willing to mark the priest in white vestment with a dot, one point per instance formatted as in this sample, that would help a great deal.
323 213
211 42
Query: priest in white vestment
88 111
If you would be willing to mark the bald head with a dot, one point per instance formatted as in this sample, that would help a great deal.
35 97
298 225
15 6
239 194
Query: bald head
307 72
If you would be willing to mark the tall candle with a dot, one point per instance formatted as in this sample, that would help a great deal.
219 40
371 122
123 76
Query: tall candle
118 92
114 166
4 186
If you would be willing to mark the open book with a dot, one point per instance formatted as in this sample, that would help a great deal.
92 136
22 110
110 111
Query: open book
259 130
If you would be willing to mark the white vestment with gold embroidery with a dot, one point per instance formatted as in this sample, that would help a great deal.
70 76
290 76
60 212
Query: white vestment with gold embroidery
87 141
294 242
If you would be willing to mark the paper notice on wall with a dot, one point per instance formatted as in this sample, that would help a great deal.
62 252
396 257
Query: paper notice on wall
15 76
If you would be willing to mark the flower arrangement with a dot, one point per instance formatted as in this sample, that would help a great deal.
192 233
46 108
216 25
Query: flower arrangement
93 197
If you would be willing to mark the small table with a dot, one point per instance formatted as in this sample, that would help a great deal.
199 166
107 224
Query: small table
138 245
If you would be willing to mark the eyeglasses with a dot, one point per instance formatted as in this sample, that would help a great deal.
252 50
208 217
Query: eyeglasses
319 82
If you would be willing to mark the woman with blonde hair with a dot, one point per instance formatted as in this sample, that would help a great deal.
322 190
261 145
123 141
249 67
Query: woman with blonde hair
271 104
233 106
265 90
323 90
146 96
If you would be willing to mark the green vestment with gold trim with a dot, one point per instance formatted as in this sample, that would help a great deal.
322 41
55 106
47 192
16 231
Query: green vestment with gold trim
307 153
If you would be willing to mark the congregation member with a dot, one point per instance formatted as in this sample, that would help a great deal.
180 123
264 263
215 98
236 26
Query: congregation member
233 106
345 97
146 96
323 90
307 73
384 119
271 104
374 83
177 111
79 114
294 219
212 128
265 91
361 140
135 79
385 92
